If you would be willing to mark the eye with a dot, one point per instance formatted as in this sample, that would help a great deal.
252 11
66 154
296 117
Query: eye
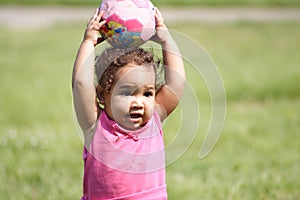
148 94
125 93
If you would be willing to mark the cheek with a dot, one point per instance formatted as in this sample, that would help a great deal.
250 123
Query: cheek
150 105
120 103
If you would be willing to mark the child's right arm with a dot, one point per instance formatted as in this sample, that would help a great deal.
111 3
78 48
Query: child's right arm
84 94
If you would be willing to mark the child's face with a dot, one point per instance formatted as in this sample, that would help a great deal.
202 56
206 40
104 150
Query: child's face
131 100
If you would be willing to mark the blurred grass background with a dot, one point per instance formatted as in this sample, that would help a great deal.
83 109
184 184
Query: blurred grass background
257 156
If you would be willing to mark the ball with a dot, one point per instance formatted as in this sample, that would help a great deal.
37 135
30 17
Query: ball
129 23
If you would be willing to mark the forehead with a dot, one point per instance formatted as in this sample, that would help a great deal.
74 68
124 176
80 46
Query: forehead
135 75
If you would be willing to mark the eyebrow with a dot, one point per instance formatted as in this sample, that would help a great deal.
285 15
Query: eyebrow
129 86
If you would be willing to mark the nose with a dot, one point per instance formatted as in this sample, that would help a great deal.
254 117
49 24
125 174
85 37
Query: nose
137 103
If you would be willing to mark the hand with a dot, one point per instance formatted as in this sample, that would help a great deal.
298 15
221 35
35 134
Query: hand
93 27
162 32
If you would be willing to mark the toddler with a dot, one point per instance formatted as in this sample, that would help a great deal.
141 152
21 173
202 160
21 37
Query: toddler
121 117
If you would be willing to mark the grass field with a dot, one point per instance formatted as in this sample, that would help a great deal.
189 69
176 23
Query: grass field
257 156
165 2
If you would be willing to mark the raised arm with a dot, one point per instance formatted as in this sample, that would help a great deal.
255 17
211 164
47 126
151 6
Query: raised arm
169 95
84 94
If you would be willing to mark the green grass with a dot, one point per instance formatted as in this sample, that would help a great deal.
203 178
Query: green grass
257 156
228 2
164 2
41 150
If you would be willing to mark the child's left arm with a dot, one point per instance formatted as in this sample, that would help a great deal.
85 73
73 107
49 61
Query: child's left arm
169 95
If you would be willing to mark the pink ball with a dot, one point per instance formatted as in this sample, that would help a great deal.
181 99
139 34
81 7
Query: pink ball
128 22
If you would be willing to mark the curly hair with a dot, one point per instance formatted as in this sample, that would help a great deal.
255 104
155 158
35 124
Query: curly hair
112 59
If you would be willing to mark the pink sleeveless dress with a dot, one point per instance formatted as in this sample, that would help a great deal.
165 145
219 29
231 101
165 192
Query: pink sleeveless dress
122 164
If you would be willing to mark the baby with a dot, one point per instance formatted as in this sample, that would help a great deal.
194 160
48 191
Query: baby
121 117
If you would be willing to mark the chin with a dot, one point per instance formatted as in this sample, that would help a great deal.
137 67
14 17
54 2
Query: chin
135 127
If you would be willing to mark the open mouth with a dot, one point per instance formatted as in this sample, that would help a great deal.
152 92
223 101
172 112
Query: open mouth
136 115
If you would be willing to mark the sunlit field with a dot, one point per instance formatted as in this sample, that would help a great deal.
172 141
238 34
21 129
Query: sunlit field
256 157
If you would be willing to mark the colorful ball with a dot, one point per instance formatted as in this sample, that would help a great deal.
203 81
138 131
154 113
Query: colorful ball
129 23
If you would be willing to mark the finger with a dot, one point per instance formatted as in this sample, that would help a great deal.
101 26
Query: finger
97 25
92 19
102 23
157 12
158 17
100 14
98 19
96 13
94 16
